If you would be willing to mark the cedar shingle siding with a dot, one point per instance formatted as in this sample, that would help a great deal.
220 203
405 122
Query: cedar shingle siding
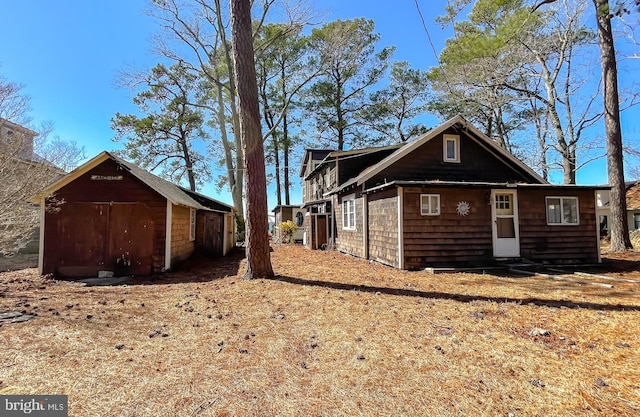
557 243
350 241
447 238
383 227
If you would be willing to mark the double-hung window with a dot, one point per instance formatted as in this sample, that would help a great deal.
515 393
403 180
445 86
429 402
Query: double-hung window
430 204
562 210
349 212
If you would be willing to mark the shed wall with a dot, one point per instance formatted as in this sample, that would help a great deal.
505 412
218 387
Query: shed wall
181 246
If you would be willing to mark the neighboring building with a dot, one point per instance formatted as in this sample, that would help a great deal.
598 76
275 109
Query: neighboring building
633 207
22 172
283 213
19 139
451 197
118 217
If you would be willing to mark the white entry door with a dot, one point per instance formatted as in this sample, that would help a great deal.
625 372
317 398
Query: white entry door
504 213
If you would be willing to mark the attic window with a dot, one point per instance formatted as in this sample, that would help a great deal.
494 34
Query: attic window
451 148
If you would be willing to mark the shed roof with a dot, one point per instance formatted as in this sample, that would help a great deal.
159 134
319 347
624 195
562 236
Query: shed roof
174 193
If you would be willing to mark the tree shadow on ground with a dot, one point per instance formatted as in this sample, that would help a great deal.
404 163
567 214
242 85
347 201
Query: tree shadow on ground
198 268
455 297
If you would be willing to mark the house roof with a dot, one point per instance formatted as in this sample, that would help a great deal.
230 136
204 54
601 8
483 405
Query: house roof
282 206
433 133
307 154
174 193
10 125
633 195
352 153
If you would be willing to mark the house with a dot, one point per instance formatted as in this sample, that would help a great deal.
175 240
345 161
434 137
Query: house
451 197
283 213
22 172
324 170
633 207
117 217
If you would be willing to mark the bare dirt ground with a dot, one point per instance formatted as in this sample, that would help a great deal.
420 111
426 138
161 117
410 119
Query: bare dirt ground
331 335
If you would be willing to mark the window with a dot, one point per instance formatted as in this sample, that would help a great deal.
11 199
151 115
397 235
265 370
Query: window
562 210
192 225
636 221
349 212
430 204
451 148
299 219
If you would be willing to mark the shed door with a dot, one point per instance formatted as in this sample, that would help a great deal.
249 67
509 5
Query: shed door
213 234
84 238
504 213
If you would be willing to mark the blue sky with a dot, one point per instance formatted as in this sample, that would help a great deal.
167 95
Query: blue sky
68 53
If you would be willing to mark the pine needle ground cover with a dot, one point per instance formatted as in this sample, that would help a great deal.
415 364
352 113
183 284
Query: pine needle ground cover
332 335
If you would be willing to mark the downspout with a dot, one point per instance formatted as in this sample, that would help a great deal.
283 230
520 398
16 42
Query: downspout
41 234
167 236
400 229
365 224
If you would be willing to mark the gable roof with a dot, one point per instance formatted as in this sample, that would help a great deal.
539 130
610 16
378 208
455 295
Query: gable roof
174 193
431 134
307 155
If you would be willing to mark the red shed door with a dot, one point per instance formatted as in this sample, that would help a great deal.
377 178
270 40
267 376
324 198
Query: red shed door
84 238
506 235
75 239
130 249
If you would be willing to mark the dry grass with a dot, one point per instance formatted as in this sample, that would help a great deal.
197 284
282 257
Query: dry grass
330 336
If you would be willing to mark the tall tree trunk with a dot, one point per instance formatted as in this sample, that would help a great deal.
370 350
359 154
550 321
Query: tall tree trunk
237 191
276 162
619 227
258 255
285 152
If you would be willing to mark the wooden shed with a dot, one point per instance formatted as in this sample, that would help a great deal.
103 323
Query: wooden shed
111 215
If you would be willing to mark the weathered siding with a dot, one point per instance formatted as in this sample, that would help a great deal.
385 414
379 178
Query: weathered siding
383 227
110 184
426 163
350 241
557 243
448 238
181 246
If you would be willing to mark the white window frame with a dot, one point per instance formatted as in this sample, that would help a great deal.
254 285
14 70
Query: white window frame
456 140
430 199
349 209
563 221
192 224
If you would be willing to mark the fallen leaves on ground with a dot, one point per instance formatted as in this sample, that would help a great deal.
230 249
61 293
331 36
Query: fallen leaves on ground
329 335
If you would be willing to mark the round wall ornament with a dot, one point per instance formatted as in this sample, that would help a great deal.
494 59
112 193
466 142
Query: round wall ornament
463 208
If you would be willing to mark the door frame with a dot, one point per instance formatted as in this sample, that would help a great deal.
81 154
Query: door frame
505 247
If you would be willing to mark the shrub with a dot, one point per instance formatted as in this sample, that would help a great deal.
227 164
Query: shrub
635 238
287 230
